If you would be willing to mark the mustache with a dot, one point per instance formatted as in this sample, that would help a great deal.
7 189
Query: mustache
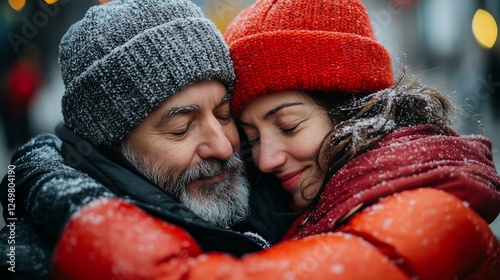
210 168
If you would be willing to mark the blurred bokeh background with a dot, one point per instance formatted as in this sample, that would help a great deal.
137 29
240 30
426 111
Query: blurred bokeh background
453 43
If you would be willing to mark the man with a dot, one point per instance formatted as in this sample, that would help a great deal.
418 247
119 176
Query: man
147 119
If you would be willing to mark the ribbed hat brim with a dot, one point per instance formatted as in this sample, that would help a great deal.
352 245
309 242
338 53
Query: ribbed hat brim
307 60
137 77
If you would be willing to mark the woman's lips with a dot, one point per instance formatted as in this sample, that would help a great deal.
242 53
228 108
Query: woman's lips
288 180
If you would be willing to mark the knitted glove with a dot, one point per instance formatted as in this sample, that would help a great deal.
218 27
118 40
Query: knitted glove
113 239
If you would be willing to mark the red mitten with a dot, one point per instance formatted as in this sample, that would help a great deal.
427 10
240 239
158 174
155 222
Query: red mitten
113 239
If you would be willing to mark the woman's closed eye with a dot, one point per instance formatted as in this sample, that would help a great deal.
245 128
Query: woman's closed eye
287 130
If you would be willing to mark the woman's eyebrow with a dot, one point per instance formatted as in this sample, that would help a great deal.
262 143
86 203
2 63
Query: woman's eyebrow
284 105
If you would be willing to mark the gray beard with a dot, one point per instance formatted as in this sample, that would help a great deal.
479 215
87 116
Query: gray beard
222 204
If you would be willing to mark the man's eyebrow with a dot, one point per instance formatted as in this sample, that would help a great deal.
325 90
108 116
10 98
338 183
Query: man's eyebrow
226 98
175 111
282 106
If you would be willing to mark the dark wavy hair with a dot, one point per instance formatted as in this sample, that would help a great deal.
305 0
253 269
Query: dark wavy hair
360 121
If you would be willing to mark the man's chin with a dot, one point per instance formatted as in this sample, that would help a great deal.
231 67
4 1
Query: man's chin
222 204
203 189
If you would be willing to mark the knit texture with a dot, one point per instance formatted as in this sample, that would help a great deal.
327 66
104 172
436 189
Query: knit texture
324 45
126 57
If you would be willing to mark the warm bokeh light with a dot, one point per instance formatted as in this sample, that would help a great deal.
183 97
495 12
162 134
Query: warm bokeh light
50 1
485 28
221 22
17 5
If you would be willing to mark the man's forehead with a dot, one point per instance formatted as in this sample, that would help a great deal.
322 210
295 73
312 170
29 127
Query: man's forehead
191 100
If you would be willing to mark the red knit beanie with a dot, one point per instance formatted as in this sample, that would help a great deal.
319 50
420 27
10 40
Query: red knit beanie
325 45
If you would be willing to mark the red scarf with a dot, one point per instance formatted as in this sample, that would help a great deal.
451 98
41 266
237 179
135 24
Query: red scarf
409 158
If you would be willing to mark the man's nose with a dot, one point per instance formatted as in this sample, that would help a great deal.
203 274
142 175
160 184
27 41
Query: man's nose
215 143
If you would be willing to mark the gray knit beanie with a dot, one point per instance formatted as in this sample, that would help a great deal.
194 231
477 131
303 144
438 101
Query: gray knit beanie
125 58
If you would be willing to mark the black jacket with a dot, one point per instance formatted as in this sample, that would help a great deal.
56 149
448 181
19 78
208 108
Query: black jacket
55 177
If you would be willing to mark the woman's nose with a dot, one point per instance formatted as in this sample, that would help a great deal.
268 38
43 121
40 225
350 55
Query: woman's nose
270 155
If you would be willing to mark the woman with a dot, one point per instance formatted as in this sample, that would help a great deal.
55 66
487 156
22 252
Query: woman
372 165
318 103
316 98
336 153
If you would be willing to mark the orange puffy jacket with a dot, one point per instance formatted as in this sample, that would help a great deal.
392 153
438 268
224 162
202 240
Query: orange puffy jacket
415 234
